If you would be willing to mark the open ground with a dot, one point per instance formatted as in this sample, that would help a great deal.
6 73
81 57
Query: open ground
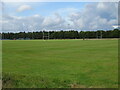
60 63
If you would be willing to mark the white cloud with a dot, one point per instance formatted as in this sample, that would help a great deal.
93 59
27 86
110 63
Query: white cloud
94 16
36 15
24 8
51 22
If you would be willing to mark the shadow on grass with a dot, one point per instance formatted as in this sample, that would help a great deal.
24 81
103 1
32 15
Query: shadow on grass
25 81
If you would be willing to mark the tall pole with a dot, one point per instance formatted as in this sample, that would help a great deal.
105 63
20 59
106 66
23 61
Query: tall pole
23 25
101 34
96 34
43 34
48 35
32 32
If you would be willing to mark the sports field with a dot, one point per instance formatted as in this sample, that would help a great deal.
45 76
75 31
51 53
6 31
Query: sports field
60 63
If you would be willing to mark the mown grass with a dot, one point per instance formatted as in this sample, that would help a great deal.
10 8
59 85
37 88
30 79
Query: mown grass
60 63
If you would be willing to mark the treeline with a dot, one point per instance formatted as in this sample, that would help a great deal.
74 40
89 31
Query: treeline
63 34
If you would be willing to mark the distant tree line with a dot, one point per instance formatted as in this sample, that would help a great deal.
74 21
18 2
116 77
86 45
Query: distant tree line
72 34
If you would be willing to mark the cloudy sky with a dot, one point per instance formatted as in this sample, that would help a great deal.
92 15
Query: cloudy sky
36 16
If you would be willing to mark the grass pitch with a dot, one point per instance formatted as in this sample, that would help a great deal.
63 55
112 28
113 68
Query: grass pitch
60 63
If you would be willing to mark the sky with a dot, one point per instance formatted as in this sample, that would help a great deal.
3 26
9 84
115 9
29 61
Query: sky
38 16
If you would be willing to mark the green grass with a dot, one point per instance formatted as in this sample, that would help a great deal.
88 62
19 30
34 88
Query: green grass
60 63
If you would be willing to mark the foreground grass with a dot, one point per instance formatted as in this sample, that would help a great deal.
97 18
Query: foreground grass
60 63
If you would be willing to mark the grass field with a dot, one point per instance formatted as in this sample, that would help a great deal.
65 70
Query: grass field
60 63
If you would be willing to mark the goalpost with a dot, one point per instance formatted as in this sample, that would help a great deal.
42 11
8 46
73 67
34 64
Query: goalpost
46 35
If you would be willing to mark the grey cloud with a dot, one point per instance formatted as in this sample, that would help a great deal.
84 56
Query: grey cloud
93 17
52 22
96 16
